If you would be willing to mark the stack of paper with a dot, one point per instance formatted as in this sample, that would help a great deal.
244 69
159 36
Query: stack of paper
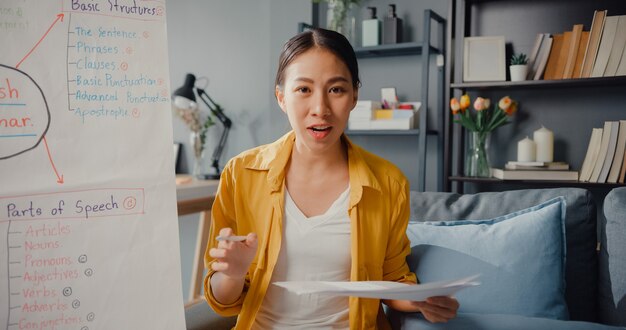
368 115
381 289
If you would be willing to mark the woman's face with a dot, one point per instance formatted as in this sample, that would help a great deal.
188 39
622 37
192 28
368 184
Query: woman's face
317 97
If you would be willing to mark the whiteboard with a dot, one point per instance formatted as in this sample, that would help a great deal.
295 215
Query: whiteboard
88 223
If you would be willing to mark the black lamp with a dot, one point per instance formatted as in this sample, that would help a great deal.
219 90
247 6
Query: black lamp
185 98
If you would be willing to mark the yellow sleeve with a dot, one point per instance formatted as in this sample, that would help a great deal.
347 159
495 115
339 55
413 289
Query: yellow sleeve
395 267
222 216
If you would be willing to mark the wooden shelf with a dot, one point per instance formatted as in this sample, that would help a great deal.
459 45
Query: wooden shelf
537 182
401 49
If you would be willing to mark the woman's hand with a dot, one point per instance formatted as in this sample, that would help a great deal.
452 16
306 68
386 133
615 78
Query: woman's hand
438 309
234 258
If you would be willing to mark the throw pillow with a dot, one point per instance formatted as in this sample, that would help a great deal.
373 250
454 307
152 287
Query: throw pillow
520 256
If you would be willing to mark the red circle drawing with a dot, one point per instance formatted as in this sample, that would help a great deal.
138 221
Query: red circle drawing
130 203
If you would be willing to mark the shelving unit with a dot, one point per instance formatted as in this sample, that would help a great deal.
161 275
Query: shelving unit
423 49
585 103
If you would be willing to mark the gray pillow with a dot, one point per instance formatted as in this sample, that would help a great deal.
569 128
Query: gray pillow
612 291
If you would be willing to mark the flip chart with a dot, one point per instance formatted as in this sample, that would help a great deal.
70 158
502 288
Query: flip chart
88 224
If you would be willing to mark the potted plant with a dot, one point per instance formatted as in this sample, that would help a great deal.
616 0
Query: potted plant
338 14
519 67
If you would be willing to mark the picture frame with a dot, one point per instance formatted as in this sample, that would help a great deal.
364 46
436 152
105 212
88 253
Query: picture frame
484 59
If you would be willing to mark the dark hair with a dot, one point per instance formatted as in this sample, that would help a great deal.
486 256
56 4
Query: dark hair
332 41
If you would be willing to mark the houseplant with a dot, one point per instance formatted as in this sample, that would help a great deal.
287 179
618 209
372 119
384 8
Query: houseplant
337 16
480 123
518 67
199 126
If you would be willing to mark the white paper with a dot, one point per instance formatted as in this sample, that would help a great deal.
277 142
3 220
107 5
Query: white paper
88 224
381 289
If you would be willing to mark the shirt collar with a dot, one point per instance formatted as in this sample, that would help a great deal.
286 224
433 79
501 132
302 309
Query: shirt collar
274 157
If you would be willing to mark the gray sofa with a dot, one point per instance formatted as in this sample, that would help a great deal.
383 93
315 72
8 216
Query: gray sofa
595 291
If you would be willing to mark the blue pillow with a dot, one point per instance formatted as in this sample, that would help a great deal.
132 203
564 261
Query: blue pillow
520 256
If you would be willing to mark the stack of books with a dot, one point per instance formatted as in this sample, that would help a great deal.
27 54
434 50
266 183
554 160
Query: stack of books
554 171
605 160
599 52
369 115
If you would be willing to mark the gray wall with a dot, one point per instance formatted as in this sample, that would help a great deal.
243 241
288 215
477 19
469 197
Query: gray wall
236 43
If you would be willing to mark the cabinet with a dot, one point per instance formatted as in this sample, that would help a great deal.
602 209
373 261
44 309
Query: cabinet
424 53
570 107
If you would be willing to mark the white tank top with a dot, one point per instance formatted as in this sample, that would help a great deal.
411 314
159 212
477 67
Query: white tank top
312 249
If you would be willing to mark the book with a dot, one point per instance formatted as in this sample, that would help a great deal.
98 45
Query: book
592 154
584 39
532 56
544 53
622 174
604 144
553 58
620 149
621 69
564 52
574 44
610 152
534 175
606 43
595 33
618 48
550 166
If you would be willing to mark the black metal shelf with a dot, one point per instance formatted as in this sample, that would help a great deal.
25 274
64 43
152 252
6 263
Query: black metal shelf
568 183
401 49
542 84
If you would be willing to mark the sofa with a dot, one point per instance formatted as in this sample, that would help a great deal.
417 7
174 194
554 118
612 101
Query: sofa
575 283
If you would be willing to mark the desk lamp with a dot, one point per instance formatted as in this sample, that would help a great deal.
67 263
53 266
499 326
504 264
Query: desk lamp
185 98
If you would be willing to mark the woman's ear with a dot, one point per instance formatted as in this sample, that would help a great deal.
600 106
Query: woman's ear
356 98
280 97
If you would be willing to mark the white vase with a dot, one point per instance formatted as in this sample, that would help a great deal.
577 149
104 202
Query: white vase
518 72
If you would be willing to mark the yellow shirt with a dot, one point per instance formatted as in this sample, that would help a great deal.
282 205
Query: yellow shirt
251 196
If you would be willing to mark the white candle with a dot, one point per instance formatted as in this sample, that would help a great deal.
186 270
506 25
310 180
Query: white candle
526 150
545 144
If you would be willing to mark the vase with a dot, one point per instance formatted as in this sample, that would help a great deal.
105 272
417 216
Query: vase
518 72
477 156
197 147
340 18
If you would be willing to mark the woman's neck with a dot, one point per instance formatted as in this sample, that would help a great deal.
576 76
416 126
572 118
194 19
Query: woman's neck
303 159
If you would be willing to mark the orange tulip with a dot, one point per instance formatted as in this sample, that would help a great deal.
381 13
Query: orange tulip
455 106
505 103
465 102
512 109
